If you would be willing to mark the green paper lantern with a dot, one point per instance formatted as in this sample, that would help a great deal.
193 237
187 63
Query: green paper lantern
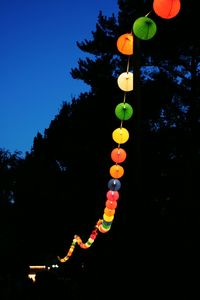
123 111
144 28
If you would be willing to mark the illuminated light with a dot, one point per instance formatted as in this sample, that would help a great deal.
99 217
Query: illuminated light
112 195
144 28
116 171
118 155
103 230
54 266
90 240
125 81
37 267
125 44
84 246
106 224
32 276
114 184
120 135
124 111
166 9
111 204
109 212
89 243
108 218
106 227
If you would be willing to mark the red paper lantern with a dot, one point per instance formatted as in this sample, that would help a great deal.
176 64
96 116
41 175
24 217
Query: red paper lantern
112 195
166 9
118 155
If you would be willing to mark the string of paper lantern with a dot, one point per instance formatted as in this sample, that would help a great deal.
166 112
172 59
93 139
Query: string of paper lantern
143 28
120 135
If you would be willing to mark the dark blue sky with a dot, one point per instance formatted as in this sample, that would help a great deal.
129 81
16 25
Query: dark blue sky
37 51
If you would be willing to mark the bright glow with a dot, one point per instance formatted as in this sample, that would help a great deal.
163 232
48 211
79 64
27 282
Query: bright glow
32 276
37 267
54 266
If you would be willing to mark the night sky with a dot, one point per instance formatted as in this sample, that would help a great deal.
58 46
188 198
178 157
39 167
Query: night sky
38 49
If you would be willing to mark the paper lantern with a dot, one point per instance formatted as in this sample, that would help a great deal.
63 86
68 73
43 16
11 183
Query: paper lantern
93 236
112 195
124 111
111 204
116 171
106 224
125 81
144 28
120 135
166 9
109 212
90 241
108 218
125 44
114 184
102 228
118 155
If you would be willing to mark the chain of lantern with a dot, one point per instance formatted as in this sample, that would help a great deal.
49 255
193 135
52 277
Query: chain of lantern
143 28
123 111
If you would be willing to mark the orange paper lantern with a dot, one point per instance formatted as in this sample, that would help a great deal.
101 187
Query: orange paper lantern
125 44
116 171
109 212
166 9
111 204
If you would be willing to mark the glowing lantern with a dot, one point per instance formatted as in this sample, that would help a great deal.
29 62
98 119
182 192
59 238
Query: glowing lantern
125 81
114 184
116 171
120 135
102 229
106 224
109 212
93 236
108 218
118 155
124 111
125 44
112 195
144 28
166 9
111 204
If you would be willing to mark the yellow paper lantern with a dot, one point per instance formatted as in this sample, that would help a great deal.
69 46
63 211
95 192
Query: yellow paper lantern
120 135
108 218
